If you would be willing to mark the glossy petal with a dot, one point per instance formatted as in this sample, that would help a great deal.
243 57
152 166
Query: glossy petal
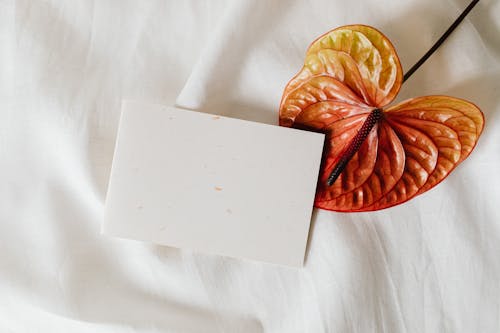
321 88
453 125
349 74
358 56
419 143
347 194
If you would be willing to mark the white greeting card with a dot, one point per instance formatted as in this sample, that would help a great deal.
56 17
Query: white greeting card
212 184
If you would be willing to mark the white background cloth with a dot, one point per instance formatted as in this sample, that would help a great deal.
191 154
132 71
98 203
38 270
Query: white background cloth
430 265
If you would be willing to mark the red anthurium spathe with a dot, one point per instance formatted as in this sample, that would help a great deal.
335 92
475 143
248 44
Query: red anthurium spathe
375 156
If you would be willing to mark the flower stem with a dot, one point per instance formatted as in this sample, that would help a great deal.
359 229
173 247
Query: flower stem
440 40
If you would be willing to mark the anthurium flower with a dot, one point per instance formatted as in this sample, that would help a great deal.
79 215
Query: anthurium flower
376 156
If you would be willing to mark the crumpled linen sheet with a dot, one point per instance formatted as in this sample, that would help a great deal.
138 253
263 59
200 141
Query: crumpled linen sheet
430 265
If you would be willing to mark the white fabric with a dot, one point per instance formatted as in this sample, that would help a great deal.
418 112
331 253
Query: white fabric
430 265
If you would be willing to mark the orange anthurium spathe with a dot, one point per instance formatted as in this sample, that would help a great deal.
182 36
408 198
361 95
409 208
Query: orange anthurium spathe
375 156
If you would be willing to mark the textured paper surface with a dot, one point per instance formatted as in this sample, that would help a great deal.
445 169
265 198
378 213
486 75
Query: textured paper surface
214 184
